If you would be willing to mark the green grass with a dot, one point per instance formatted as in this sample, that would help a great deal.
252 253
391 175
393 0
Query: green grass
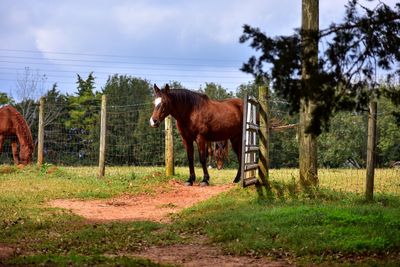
300 227
331 225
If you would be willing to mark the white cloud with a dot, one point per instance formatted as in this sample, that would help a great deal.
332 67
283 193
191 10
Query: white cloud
50 39
141 19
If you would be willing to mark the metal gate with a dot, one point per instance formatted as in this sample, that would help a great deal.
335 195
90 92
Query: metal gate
250 148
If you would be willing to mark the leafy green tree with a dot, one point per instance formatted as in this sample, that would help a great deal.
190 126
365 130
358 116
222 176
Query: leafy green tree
85 105
55 105
249 88
83 121
124 90
56 150
388 133
5 99
359 48
176 85
130 140
344 145
216 91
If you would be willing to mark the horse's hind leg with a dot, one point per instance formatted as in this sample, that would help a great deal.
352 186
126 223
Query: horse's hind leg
14 146
227 150
209 155
237 148
201 144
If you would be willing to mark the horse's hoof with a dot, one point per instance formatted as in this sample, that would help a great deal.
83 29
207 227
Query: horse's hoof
204 183
236 180
188 183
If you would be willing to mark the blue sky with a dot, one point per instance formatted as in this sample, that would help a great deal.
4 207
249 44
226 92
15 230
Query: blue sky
190 41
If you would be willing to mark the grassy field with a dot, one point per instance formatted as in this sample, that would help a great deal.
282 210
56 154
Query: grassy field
331 225
387 181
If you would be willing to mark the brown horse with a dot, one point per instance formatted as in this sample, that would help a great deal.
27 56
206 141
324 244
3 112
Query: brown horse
221 153
218 152
14 126
200 119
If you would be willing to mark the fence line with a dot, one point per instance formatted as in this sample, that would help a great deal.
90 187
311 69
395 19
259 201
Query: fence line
72 138
342 151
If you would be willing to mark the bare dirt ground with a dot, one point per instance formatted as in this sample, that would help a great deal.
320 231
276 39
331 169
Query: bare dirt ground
152 207
5 252
158 207
192 255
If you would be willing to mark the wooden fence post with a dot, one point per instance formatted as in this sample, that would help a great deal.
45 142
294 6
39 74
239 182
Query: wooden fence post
40 133
371 150
103 125
263 162
169 147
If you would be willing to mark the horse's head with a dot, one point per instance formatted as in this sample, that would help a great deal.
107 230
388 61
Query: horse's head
161 105
25 153
220 153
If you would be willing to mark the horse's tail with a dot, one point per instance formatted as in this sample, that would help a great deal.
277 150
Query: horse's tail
24 136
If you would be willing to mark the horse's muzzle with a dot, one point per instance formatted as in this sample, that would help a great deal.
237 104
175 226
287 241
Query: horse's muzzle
154 123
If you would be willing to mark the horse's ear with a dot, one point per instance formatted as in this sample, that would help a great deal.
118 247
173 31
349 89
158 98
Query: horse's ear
156 89
166 88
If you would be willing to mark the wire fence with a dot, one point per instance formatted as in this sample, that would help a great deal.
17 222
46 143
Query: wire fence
69 142
72 139
130 140
342 151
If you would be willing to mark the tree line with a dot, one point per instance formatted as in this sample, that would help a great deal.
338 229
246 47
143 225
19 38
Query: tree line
72 123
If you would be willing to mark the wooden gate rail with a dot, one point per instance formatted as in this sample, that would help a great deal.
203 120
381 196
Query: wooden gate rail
249 159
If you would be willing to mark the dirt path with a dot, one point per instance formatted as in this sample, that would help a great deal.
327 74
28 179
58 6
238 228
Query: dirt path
153 207
201 253
192 255
5 252
158 207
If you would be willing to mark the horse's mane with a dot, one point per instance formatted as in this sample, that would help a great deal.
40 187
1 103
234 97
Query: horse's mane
191 98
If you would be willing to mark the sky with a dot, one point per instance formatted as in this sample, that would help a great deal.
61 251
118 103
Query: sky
190 41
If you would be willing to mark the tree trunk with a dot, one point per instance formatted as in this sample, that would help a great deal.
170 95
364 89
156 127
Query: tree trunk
308 141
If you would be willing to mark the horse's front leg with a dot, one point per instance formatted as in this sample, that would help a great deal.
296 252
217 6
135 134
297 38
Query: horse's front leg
190 154
14 147
201 144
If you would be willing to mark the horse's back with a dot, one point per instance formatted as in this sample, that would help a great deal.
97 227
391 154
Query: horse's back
6 124
229 107
237 102
13 123
223 119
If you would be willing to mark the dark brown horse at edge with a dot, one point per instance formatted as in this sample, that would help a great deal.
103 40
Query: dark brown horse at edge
14 126
200 119
218 152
